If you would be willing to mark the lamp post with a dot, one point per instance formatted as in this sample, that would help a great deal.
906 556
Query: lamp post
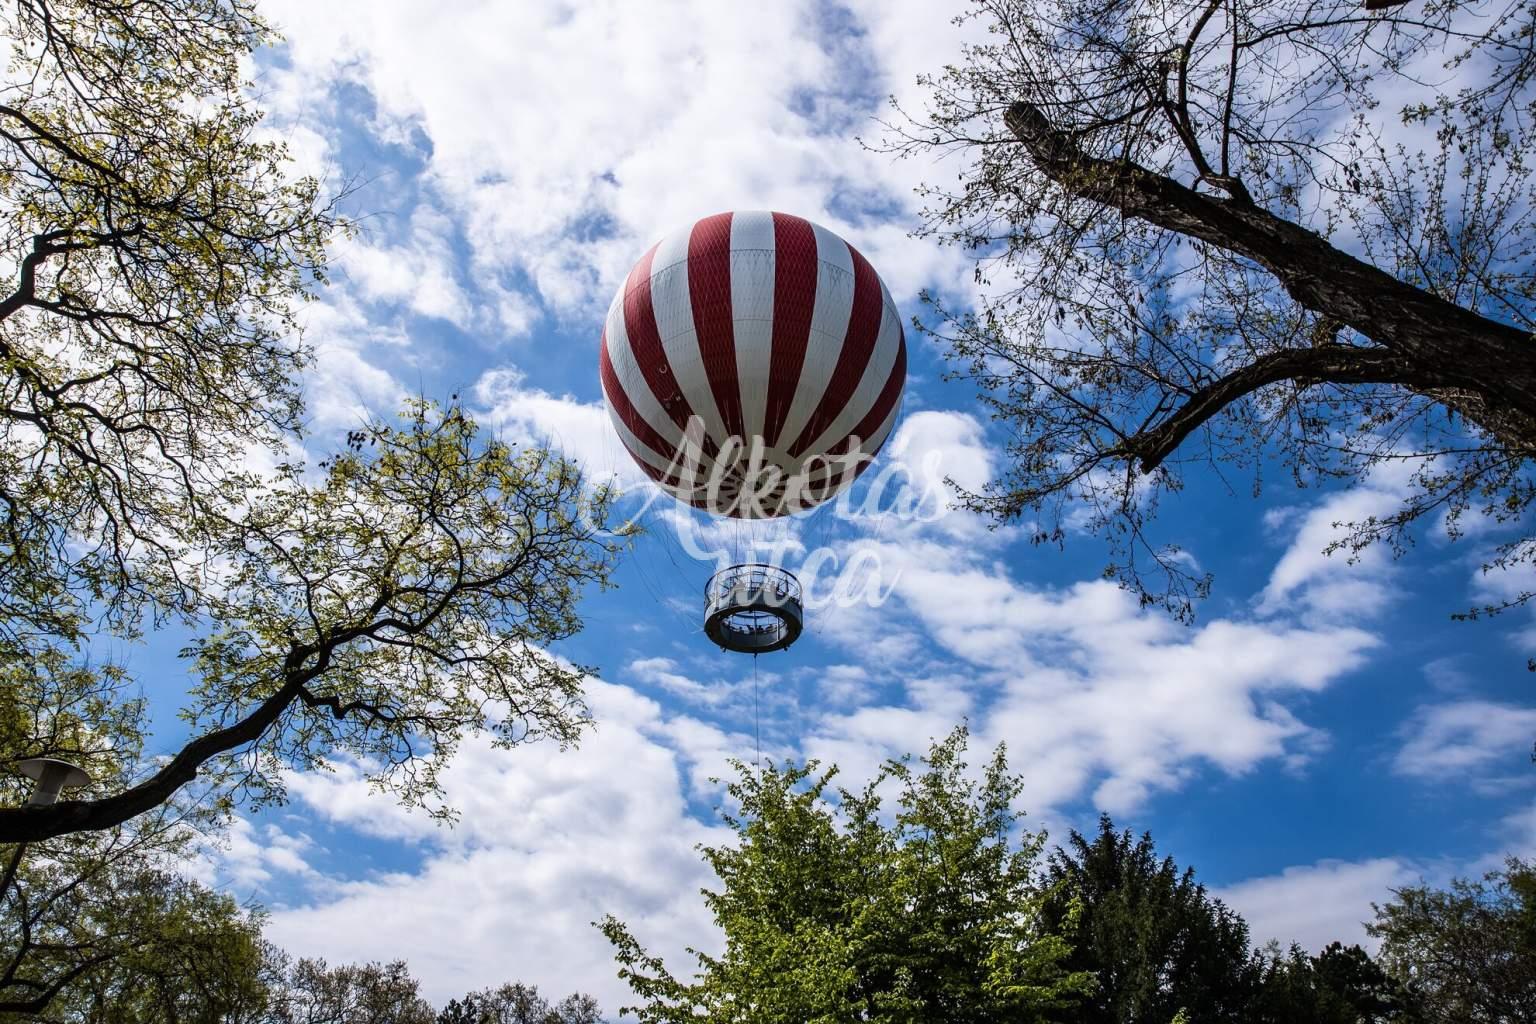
52 776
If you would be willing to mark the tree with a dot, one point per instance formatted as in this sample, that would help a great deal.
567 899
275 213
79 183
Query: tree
1155 940
93 925
1340 985
401 600
128 942
1163 949
1217 232
829 913
310 992
381 608
159 248
516 1003
1469 949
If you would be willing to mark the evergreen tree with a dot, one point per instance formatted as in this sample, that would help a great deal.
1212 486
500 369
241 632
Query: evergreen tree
1341 985
1158 943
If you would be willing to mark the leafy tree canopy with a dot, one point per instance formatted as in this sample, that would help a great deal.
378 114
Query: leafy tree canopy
108 934
379 605
830 910
308 991
404 597
1211 233
159 248
516 1003
1470 949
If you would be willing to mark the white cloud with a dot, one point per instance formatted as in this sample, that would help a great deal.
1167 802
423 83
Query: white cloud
521 412
846 685
245 856
343 387
1091 692
419 273
1343 586
548 843
1459 739
564 140
1318 903
663 673
1093 695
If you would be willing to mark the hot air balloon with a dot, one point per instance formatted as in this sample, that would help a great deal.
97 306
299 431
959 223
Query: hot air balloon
753 365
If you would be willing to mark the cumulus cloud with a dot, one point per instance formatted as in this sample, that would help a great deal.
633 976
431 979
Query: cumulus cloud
1342 585
519 411
344 386
547 843
417 274
1454 741
247 856
566 139
1316 904
1094 695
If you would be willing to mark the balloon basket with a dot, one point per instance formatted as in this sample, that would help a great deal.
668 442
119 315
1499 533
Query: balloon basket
753 608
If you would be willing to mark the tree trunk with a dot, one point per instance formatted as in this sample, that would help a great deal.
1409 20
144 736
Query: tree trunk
1483 368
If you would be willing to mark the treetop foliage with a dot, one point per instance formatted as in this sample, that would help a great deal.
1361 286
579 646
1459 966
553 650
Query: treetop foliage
831 909
1470 948
1160 948
1156 941
405 597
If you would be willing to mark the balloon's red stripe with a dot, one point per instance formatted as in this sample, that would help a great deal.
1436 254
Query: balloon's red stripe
794 300
709 290
645 345
863 330
884 403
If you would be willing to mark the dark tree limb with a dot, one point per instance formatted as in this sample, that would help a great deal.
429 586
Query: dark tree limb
31 824
1448 348
39 1002
1337 364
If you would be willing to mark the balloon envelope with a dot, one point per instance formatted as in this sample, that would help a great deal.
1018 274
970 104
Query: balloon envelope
753 364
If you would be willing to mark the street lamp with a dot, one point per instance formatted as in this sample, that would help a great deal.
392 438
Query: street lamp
52 776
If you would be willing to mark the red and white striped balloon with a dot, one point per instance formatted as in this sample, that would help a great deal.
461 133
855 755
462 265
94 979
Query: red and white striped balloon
753 364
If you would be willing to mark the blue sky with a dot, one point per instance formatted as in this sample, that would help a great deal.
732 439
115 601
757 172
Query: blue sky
1322 733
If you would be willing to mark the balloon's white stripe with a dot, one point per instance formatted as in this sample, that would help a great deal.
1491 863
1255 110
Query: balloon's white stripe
633 382
690 462
752 279
876 372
